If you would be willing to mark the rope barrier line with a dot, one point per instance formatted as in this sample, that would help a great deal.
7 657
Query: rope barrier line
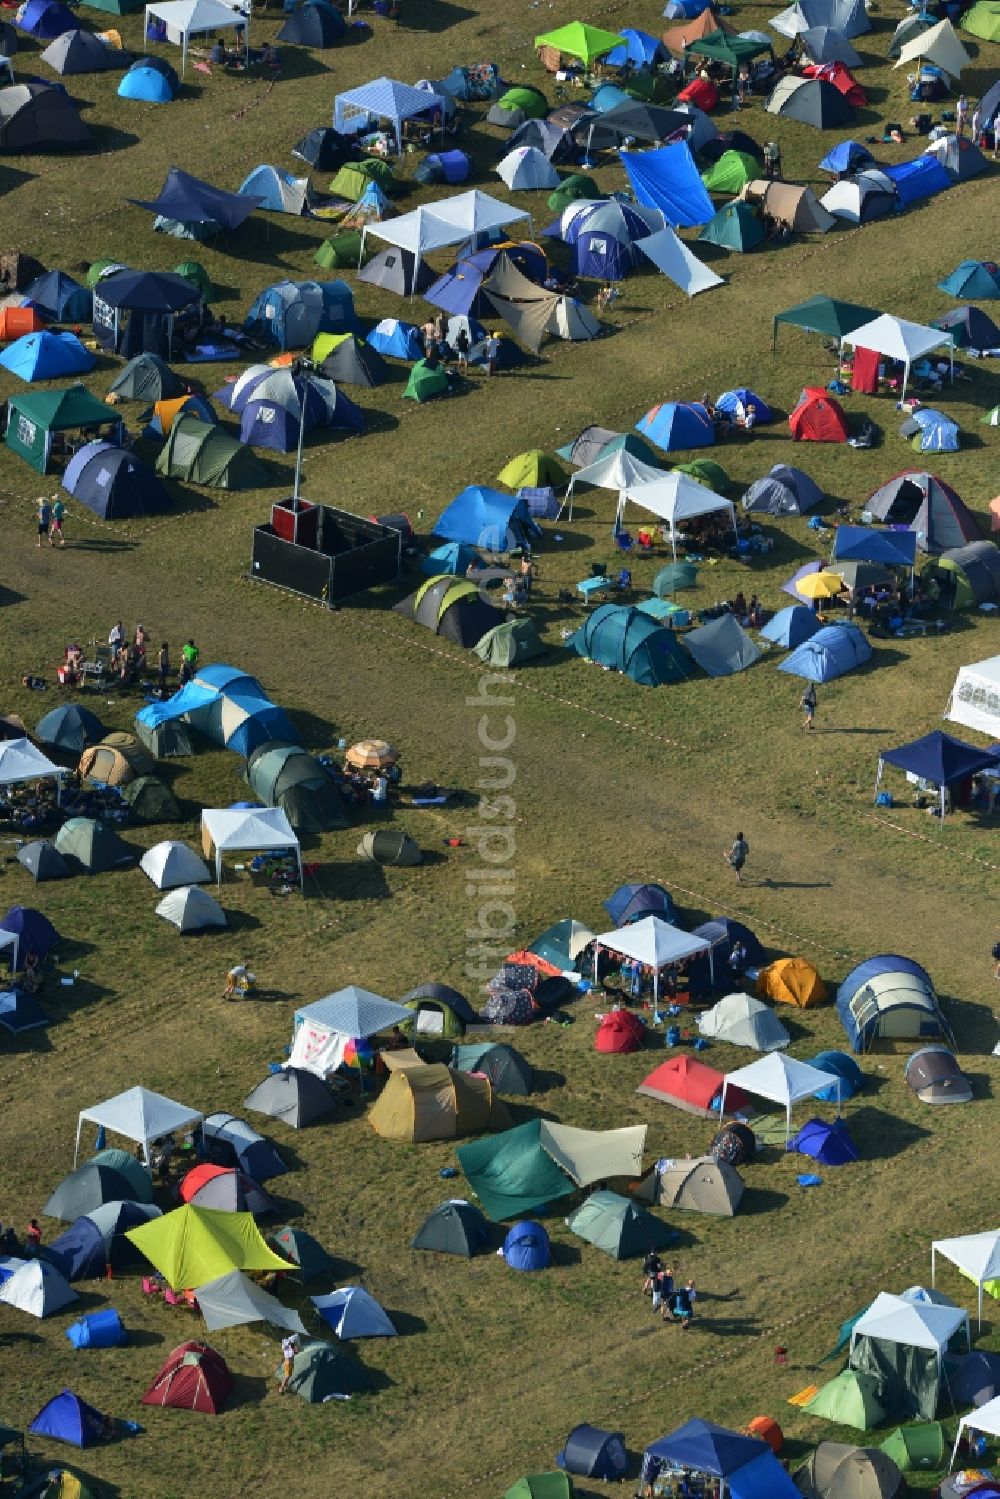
942 848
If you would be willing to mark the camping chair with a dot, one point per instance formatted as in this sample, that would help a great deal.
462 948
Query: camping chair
623 541
151 1286
623 582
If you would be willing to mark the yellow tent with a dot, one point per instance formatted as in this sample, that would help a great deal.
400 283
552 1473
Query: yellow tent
193 1245
792 981
436 1103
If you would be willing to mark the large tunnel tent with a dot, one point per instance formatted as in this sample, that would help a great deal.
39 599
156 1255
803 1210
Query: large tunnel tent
966 577
285 776
889 997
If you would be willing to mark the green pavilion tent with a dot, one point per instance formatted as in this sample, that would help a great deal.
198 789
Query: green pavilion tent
729 50
36 416
193 1245
851 1400
916 1447
586 43
822 314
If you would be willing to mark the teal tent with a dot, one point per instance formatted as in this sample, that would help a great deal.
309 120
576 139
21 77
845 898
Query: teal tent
618 1226
627 640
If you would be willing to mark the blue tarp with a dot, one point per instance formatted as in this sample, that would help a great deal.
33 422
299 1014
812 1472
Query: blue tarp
764 1478
47 356
186 700
67 1418
791 626
668 179
938 433
830 653
484 517
918 179
98 1330
863 544
189 200
940 759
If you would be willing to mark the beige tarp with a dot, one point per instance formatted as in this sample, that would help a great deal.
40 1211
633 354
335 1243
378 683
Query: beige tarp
402 1060
938 46
591 1155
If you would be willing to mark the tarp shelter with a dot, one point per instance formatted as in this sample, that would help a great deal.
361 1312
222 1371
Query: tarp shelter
21 763
113 483
850 1400
837 1470
455 1227
668 179
672 257
826 1142
722 647
936 1077
822 314
34 418
37 1288
191 1245
940 760
977 1256
193 1378
888 997
233 1300
593 1453
183 200
614 1223
588 1155
511 1174
702 1184
690 1085
654 943
67 1418
741 1020
780 1079
255 830
791 981
895 338
138 1115
172 863
386 99
926 504
98 1330
675 497
903 1343
294 1095
940 47
39 117
832 651
863 544
184 19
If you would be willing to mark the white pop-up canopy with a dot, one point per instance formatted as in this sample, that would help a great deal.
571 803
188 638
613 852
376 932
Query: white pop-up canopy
477 214
21 762
257 830
939 46
186 18
676 497
450 221
986 1419
781 1079
975 697
657 944
618 470
323 1029
976 1255
895 338
138 1115
921 1324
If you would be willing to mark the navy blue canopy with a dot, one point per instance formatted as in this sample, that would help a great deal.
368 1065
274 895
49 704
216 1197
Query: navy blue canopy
706 1448
940 759
863 544
148 291
189 200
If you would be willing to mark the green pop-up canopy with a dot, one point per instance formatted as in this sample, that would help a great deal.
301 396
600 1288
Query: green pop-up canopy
193 1245
511 1174
32 419
721 46
577 40
822 314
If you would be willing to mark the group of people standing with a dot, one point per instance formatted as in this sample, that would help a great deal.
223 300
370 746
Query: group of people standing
671 1302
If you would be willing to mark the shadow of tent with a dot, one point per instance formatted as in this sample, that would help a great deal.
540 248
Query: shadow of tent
354 881
434 15
758 1200
879 1135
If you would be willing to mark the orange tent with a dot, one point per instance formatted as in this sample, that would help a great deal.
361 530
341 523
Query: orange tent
676 38
767 1430
168 410
16 321
792 981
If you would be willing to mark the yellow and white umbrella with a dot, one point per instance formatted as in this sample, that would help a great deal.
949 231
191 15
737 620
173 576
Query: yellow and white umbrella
371 754
820 586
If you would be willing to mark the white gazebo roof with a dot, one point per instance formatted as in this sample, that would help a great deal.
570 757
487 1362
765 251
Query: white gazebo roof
476 212
976 1255
677 497
986 1419
20 761
256 830
138 1115
190 16
781 1079
419 232
898 339
354 1012
656 943
921 1324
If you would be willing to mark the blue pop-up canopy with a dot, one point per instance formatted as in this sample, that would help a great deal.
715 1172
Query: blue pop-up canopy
863 544
939 759
384 99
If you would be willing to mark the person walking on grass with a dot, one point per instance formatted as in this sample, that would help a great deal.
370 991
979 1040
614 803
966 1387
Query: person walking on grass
737 856
44 518
807 702
58 516
289 1348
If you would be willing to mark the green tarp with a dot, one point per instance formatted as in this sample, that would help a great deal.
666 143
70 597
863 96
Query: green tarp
511 1174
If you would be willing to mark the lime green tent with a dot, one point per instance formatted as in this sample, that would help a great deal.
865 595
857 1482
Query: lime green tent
851 1400
508 644
706 471
97 269
425 382
324 344
983 20
340 251
542 1486
916 1447
532 104
194 272
571 189
193 1245
586 43
204 453
532 470
731 173
352 179
36 416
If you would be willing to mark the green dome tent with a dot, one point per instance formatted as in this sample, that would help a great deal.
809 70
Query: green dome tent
571 189
851 1400
505 1067
965 576
151 800
451 1025
627 640
734 227
531 470
425 382
203 453
531 103
92 845
285 776
386 846
613 1223
731 173
341 251
542 1486
706 471
194 272
509 644
675 576
352 179
915 1447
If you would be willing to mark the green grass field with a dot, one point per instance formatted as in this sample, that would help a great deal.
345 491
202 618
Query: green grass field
613 782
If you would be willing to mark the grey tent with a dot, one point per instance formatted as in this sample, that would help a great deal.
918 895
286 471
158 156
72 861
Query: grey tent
352 362
286 776
966 577
233 1300
230 1141
825 44
531 311
784 491
455 1227
593 1453
811 101
321 1371
39 117
909 27
191 909
151 800
83 52
702 1185
92 846
43 861
303 1250
398 271
615 1224
743 1020
508 644
147 377
87 1188
935 1076
588 446
168 740
837 1470
505 1067
722 647
294 1095
172 863
386 846
926 504
229 1190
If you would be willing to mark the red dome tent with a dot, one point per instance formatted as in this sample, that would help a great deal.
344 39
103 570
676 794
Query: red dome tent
818 417
691 1086
194 1378
619 1033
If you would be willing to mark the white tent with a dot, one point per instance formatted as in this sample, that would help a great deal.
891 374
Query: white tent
138 1115
743 1020
261 830
232 1300
618 470
847 199
975 697
782 1080
191 909
450 221
592 1155
187 18
476 213
323 1029
671 255
657 944
418 232
895 338
676 497
939 46
172 863
37 1288
986 1419
976 1255
527 169
20 762
921 1324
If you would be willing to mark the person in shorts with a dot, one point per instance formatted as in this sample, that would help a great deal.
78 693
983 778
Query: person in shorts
44 518
58 516
807 702
737 856
289 1348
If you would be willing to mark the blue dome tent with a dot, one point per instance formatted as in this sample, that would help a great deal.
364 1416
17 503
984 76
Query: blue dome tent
590 1452
98 1330
444 166
734 403
845 157
452 557
396 340
632 902
840 1065
291 313
315 24
826 1141
675 425
67 1418
46 19
484 517
888 997
832 651
113 483
526 1247
971 280
640 49
607 96
791 626
277 190
62 298
46 356
148 84
98 1239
